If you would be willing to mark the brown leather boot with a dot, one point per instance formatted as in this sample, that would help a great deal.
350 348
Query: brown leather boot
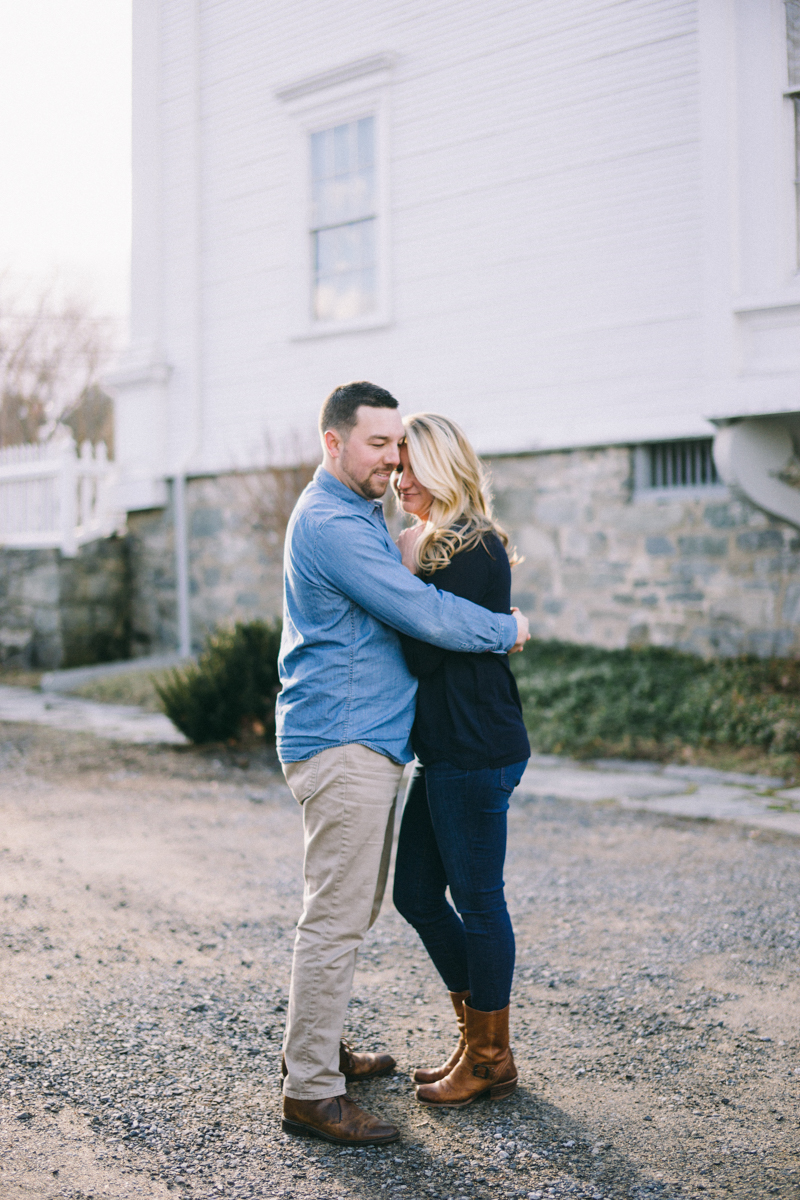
431 1074
360 1064
356 1065
485 1068
336 1119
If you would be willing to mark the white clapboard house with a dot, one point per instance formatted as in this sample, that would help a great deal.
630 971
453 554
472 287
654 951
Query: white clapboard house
570 224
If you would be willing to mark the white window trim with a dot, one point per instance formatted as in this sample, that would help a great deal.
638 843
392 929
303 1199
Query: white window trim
765 153
751 282
336 97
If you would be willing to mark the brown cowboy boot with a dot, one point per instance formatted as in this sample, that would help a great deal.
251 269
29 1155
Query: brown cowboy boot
356 1066
431 1074
336 1119
485 1068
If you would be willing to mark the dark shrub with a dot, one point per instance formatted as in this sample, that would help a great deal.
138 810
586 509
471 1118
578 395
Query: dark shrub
231 690
581 699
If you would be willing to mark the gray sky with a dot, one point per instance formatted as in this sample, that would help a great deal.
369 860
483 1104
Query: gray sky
65 145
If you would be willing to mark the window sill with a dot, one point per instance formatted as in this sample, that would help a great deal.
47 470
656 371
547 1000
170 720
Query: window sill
337 328
754 304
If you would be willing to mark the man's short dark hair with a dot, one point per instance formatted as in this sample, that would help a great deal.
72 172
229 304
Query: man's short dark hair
340 410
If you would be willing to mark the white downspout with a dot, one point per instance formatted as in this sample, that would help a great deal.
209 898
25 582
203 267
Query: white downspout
757 456
181 530
182 564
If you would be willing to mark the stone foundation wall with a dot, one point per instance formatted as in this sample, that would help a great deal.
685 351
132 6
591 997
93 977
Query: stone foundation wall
153 605
235 564
707 572
65 612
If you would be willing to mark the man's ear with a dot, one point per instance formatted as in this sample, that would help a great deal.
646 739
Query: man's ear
333 442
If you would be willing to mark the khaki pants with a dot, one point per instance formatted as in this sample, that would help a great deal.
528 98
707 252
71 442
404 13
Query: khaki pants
348 796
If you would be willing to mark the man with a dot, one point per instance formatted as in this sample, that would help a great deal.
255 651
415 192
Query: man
344 720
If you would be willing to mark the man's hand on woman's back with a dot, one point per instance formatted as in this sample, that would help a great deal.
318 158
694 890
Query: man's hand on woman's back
406 544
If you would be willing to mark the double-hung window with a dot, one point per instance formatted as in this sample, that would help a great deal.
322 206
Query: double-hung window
344 222
338 215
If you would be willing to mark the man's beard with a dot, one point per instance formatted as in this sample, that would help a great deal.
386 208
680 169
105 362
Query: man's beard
371 487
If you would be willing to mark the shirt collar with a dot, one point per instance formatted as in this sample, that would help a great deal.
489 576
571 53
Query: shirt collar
341 491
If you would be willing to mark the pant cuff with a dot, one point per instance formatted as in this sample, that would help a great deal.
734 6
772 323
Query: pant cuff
297 1095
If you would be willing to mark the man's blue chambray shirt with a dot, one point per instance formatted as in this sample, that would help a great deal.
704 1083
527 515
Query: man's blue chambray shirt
346 592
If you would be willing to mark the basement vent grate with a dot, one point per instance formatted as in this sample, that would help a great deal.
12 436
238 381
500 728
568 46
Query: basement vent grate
684 464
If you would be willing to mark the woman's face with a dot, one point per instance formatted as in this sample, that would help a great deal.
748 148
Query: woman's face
414 498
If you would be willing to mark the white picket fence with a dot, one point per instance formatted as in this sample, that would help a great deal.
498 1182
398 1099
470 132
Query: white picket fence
51 496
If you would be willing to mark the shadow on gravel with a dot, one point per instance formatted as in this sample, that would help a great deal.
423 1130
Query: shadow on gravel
523 1147
598 1167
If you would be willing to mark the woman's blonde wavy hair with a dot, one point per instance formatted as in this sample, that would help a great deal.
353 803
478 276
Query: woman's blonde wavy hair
460 515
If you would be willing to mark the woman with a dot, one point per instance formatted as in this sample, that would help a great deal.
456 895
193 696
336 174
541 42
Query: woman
472 748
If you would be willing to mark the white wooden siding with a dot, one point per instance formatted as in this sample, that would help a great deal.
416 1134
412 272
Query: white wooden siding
547 220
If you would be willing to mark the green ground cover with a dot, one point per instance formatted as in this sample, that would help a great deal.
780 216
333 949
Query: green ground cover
19 677
134 687
735 714
659 703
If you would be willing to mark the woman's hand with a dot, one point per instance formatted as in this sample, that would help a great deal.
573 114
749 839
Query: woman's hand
406 543
523 632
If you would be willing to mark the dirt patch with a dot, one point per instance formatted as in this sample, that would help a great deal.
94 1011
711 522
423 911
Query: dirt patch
148 904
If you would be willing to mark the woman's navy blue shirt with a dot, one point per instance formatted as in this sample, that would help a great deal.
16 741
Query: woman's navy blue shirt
468 706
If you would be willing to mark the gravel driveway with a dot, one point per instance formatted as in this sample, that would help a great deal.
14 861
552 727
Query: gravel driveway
149 898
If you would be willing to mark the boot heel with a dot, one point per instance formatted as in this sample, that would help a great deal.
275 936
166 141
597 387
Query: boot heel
300 1130
501 1090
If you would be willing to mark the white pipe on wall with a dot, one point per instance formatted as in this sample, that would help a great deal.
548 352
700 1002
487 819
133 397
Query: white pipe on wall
755 455
182 564
195 364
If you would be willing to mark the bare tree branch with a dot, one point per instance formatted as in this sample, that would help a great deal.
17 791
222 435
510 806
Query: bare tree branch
273 491
51 352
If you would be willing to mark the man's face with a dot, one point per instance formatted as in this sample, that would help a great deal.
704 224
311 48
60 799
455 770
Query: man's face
366 459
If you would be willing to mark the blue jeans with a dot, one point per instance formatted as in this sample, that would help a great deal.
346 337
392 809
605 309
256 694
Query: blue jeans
453 834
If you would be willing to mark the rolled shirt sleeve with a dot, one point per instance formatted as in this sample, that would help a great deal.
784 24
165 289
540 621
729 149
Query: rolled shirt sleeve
359 567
